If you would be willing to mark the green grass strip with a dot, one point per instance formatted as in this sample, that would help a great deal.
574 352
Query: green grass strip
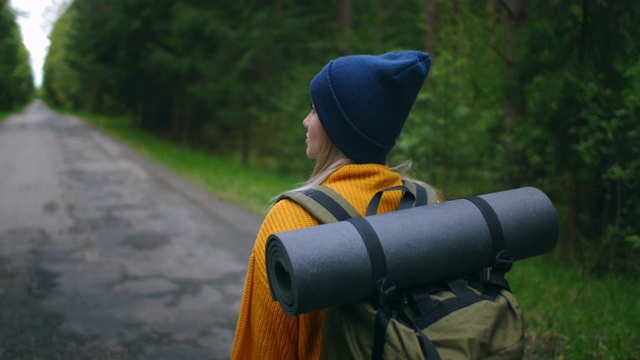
572 316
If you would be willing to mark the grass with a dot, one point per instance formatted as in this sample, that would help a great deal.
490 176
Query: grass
4 115
571 316
568 315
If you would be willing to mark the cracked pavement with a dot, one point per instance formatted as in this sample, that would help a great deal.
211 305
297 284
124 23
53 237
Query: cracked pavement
104 254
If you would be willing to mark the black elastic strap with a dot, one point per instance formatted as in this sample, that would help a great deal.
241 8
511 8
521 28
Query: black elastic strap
422 198
380 329
379 333
495 229
330 204
407 201
428 349
459 288
376 254
379 277
496 282
421 300
446 307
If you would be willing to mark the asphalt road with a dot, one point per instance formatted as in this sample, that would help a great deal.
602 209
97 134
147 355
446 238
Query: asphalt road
104 255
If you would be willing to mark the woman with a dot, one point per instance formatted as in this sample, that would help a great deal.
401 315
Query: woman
359 106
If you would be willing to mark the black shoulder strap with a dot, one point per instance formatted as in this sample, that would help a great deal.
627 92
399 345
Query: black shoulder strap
326 205
323 203
414 194
423 195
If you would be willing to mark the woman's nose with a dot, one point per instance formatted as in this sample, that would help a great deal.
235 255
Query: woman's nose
305 122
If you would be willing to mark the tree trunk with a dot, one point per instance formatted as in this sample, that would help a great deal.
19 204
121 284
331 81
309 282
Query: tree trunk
430 22
246 139
513 15
344 20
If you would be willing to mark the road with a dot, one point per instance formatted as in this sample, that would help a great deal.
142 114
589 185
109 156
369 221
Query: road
105 255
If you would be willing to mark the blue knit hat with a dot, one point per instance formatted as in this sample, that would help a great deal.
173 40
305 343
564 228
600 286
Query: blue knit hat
363 100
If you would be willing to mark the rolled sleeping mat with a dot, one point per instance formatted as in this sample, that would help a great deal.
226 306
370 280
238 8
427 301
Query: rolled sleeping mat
328 265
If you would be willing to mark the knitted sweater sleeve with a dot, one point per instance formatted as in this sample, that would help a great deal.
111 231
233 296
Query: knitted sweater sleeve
264 331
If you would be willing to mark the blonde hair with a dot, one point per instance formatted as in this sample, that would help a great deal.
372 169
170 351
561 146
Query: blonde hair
405 168
329 159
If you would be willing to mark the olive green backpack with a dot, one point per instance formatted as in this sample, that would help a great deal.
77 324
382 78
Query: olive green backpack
476 317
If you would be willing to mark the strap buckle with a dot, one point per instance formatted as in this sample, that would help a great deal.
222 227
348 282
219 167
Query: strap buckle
386 289
484 275
502 262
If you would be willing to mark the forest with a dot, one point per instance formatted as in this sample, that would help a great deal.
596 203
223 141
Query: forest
521 92
16 78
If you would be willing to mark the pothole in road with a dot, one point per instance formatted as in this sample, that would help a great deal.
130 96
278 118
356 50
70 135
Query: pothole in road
146 240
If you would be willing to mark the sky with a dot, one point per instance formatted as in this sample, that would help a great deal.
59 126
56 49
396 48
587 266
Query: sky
35 25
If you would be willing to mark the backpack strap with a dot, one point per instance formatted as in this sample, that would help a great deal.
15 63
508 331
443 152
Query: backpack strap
323 203
407 201
502 261
493 222
463 298
424 195
327 206
413 195
383 317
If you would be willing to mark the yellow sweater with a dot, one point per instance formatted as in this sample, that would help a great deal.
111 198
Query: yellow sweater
264 331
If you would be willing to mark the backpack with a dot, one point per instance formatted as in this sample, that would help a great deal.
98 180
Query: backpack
475 317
